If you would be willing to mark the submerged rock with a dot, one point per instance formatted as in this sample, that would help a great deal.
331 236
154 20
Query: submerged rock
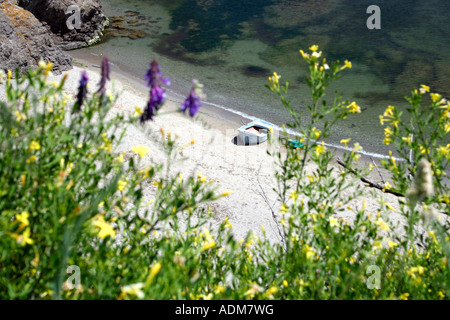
52 13
24 41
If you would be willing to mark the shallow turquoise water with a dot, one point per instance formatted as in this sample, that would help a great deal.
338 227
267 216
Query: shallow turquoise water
232 46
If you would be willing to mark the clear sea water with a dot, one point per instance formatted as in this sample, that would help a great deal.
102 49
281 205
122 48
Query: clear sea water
232 46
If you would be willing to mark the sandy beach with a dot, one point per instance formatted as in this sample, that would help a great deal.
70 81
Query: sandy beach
240 169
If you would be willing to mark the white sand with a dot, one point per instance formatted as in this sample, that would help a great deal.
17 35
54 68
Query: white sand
232 167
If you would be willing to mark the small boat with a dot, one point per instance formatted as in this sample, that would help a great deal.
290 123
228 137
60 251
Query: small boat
255 132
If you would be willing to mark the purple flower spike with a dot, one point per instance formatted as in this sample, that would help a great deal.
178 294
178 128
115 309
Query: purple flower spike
105 76
193 102
157 94
82 91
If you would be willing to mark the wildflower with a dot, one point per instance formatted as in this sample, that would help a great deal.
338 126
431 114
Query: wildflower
274 80
424 89
334 222
105 229
345 141
285 283
444 151
309 251
23 218
347 64
133 290
82 92
354 108
383 225
392 244
435 97
387 186
314 48
31 159
9 75
157 94
304 55
320 148
138 112
193 102
316 54
104 76
316 133
140 150
153 272
121 185
47 67
34 145
294 196
225 193
404 296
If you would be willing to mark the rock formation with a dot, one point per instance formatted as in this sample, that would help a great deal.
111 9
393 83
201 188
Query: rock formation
52 13
31 30
24 41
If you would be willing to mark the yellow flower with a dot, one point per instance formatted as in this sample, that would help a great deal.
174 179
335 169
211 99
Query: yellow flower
315 133
34 145
383 225
254 289
20 116
345 141
274 80
354 108
285 283
47 67
24 238
226 193
347 64
424 89
153 272
387 186
284 209
320 148
133 290
404 296
140 150
309 251
121 185
334 222
304 55
138 112
435 97
9 75
392 244
31 159
294 196
314 48
208 245
23 218
105 229
444 151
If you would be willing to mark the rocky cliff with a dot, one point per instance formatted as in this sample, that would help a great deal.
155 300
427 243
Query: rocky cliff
31 30
24 41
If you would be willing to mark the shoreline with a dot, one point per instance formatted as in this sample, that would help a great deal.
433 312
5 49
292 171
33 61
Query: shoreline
244 170
217 114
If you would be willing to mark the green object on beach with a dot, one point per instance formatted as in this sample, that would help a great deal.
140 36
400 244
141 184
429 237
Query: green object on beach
295 144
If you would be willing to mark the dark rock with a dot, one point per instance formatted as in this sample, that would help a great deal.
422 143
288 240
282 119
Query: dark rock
53 14
24 41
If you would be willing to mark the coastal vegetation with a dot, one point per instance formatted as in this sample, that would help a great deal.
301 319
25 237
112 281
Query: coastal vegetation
69 202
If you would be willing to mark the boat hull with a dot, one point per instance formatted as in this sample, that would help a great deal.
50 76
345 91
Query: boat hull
254 132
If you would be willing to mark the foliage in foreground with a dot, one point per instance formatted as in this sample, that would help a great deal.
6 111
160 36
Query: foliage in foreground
66 199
